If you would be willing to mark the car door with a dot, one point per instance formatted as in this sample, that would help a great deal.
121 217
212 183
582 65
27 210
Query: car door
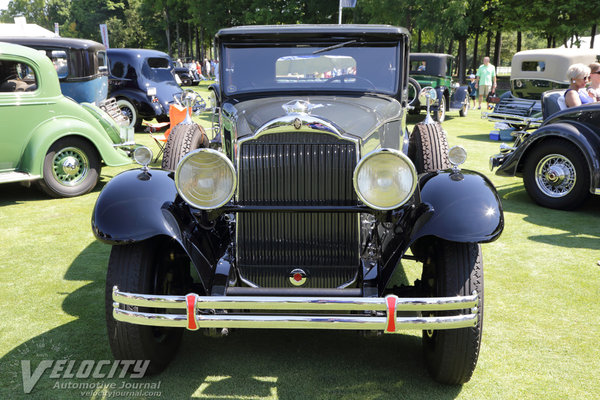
23 107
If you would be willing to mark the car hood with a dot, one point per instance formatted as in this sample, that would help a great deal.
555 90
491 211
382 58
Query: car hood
355 115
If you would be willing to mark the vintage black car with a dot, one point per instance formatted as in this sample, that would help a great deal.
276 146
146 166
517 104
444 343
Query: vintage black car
143 83
559 161
435 70
301 216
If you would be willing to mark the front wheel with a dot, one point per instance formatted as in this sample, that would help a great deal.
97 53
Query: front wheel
556 175
145 268
439 115
453 269
71 168
465 108
182 139
428 148
130 112
414 88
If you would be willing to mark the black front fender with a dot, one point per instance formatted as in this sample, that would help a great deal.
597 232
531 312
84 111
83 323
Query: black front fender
135 206
466 207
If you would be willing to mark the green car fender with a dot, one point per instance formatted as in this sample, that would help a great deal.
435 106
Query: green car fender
54 129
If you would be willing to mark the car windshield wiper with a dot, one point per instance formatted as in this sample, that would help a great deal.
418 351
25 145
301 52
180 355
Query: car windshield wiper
335 46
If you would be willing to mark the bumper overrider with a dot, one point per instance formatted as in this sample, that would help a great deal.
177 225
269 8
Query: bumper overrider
194 312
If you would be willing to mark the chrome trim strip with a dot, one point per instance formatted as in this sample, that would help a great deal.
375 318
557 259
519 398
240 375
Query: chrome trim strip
251 304
296 322
511 117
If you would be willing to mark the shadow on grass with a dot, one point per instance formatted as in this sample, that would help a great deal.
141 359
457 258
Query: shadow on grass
578 231
14 193
247 364
483 137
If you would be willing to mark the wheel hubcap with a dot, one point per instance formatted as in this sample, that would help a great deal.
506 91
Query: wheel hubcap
555 175
70 166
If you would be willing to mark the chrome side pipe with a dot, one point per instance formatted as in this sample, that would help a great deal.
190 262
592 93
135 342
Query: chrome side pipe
195 312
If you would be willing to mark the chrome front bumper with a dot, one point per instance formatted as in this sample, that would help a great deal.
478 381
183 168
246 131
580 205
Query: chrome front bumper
194 312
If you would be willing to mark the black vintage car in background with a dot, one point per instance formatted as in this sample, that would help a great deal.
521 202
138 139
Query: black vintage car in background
301 217
559 161
143 83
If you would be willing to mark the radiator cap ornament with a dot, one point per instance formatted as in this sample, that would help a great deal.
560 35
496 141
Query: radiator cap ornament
298 277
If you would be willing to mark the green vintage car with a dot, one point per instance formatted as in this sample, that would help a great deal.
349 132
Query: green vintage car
435 70
48 138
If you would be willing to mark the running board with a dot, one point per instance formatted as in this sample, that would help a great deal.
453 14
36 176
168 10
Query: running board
13 176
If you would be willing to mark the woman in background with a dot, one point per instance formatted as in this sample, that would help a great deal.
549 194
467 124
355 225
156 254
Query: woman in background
576 95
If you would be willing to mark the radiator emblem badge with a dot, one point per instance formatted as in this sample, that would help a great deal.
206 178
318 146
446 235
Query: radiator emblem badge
297 277
297 123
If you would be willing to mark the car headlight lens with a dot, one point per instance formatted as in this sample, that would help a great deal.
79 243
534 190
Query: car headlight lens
385 179
205 179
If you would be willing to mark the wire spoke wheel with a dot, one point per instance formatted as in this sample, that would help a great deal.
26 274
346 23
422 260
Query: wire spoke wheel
555 175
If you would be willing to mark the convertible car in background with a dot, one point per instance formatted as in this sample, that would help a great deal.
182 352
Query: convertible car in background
534 72
560 160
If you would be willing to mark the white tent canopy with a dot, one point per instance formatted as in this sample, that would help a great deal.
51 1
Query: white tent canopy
22 28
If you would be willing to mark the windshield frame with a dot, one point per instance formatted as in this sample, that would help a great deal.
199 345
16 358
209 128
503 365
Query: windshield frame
338 47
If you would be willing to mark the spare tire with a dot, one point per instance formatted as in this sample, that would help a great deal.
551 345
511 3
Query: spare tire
182 139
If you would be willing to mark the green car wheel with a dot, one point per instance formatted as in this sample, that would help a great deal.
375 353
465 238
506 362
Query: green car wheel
71 168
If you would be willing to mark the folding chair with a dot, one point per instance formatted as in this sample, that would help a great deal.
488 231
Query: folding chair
177 114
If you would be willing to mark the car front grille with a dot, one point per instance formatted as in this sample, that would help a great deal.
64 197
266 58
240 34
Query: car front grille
297 169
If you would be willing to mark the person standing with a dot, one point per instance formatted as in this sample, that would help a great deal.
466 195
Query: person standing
207 68
486 79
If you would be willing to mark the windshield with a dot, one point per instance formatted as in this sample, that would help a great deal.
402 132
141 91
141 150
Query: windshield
371 67
158 69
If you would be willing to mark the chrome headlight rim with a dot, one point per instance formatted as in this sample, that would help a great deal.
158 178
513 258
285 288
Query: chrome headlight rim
398 154
227 162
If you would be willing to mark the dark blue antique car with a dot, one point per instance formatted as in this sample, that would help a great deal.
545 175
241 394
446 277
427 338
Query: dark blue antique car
300 216
80 64
560 160
143 83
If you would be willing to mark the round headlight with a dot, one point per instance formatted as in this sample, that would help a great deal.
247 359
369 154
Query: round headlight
142 155
457 155
205 179
385 179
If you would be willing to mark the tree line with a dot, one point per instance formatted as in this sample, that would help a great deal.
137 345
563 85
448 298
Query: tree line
468 29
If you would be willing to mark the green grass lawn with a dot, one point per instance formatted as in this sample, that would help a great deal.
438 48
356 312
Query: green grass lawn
541 325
